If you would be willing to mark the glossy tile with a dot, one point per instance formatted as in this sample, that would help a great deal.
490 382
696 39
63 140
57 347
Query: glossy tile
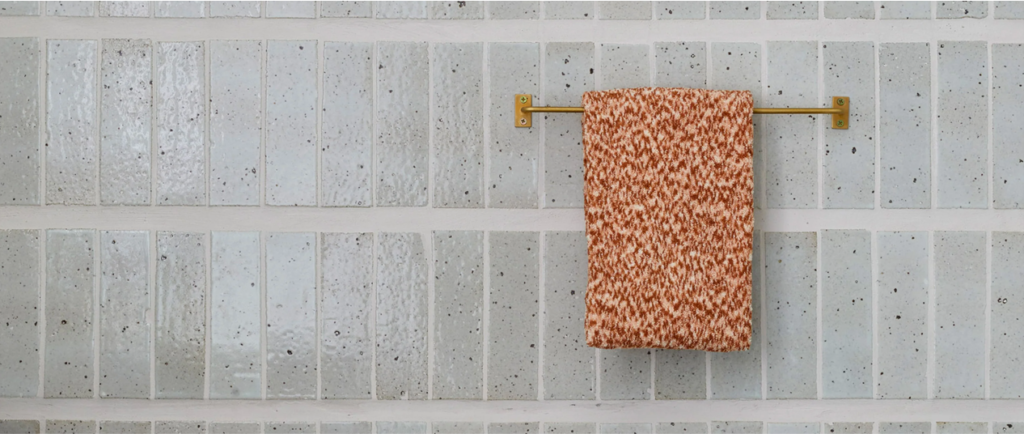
401 330
514 326
19 120
346 158
569 364
126 101
902 315
457 71
291 315
791 287
180 9
846 314
236 122
291 123
568 72
346 343
125 323
71 121
291 9
905 125
1006 378
180 137
235 356
737 375
19 270
180 315
680 64
235 9
848 164
403 137
458 318
513 151
960 304
69 313
791 142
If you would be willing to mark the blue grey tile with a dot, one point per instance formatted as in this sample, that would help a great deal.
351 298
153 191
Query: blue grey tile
904 427
912 10
235 427
625 428
457 427
126 100
402 148
680 374
960 275
124 427
906 126
793 428
513 151
792 10
846 323
19 426
1007 10
236 9
72 148
791 285
124 310
628 10
291 9
138 9
680 64
19 120
961 427
736 427
849 427
346 158
22 8
179 427
346 427
625 374
401 329
738 66
568 71
459 132
624 66
385 427
737 375
291 123
568 10
290 427
180 315
1007 111
181 132
513 428
455 10
291 316
514 326
236 122
1006 377
686 10
180 9
839 10
458 318
71 8
902 314
730 10
790 141
681 428
347 9
69 314
963 124
401 9
19 270
570 427
569 365
849 160
346 343
70 426
235 356
961 9
513 10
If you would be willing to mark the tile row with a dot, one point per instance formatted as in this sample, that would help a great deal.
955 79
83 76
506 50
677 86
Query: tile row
527 10
364 315
137 122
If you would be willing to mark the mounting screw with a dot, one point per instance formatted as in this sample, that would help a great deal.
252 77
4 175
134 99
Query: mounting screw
522 121
840 123
523 99
840 101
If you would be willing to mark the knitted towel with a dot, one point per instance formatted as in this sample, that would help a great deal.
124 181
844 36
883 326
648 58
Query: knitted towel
668 188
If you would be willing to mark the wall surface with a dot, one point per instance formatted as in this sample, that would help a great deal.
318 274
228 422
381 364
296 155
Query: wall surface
318 217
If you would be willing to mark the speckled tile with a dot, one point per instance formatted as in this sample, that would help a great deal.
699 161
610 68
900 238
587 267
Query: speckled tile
179 427
19 8
1007 111
71 8
180 9
402 146
848 428
401 330
792 10
680 374
235 365
846 323
793 428
235 428
514 326
681 428
624 66
284 9
736 427
625 428
512 428
849 160
737 375
291 140
136 9
680 64
961 9
730 10
513 10
290 427
513 151
291 315
19 121
19 426
791 142
625 374
569 10
386 427
686 10
346 343
570 427
458 317
457 427
904 427
912 10
569 365
905 142
235 9
346 158
126 101
124 314
1011 10
961 427
1007 428
902 349
963 124
346 427
71 118
124 427
70 426
236 122
180 315
19 270
960 304
569 71
628 10
791 300
180 136
401 9
356 9
1007 313
455 10
69 313
841 10
457 71
738 66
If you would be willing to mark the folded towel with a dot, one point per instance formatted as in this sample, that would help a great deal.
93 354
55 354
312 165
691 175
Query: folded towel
668 187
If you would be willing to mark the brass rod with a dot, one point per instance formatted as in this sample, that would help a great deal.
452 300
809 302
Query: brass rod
767 111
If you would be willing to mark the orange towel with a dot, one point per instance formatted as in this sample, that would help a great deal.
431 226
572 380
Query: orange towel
668 188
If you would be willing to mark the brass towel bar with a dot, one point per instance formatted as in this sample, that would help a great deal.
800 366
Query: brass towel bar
840 111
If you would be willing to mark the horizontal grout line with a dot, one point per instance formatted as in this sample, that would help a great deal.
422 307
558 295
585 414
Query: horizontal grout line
517 411
513 30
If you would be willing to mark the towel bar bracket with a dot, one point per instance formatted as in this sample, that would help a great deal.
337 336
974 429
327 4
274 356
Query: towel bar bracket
840 111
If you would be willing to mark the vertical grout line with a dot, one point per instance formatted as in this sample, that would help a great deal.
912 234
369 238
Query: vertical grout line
208 252
151 316
542 308
263 314
819 272
96 302
930 325
989 239
431 272
41 287
485 329
875 377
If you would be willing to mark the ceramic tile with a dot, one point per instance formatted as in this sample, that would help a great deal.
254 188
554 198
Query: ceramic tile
290 9
19 426
513 428
961 9
291 123
124 314
290 427
180 315
737 375
19 121
513 10
569 10
180 9
70 426
904 427
457 427
182 427
793 428
1007 313
905 128
357 9
180 109
963 124
681 64
235 9
848 164
513 151
1007 428
685 10
738 66
71 121
291 315
458 318
19 9
235 427
570 427
849 427
791 301
736 427
961 428
346 427
787 10
385 427
628 10
791 142
69 314
236 122
846 323
730 10
1007 10
401 9
680 374
514 326
912 10
1007 156
624 66
960 277
625 374
625 428
124 427
346 158
569 364
455 10
568 71
126 100
680 428
235 365
902 352
402 147
840 10
135 9
457 71
19 270
401 330
346 345
71 8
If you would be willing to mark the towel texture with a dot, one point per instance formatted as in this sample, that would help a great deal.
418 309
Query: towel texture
669 209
